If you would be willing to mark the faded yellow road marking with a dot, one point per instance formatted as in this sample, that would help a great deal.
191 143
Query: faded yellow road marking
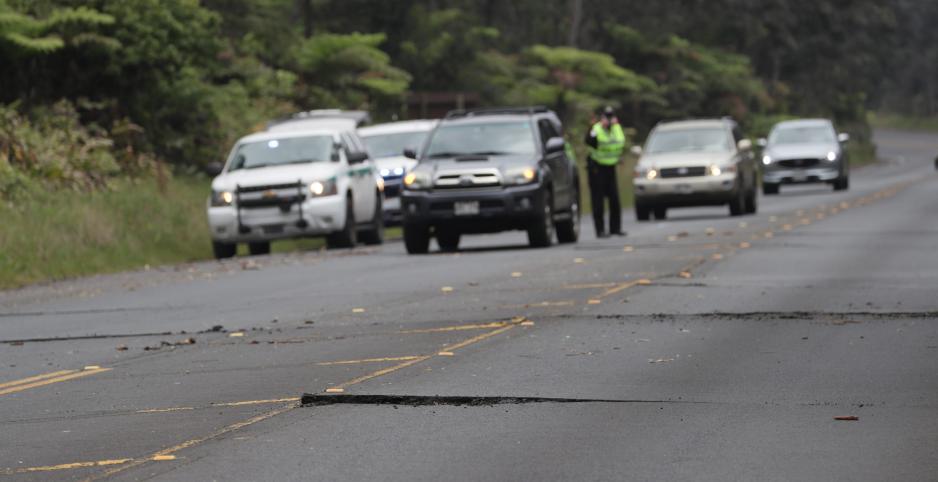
36 378
483 326
73 465
257 402
165 410
382 372
193 442
367 360
589 286
48 381
620 287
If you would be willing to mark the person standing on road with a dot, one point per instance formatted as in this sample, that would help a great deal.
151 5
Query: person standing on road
606 142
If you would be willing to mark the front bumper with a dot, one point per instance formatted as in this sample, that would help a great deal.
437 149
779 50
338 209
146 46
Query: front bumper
686 191
321 215
392 200
500 209
783 175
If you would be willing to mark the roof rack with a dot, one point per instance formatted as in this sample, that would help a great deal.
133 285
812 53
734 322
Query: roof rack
359 116
530 110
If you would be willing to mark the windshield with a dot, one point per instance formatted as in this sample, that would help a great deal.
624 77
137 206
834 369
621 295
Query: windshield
277 152
802 135
690 140
393 145
497 138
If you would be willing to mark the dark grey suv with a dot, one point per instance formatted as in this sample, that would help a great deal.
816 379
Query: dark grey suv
491 170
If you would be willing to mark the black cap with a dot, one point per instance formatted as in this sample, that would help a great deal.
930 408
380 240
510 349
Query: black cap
608 111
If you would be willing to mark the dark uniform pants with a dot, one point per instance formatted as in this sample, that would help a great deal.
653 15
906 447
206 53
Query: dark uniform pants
603 184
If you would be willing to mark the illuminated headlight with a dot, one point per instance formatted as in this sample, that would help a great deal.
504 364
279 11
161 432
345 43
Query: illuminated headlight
832 156
323 188
767 160
417 180
649 173
520 175
398 171
385 172
715 170
222 198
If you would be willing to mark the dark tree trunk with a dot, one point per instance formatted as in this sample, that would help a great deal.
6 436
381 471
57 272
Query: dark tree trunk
576 18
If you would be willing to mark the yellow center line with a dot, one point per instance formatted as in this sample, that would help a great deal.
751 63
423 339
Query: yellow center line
74 465
619 288
49 381
257 402
367 360
382 372
36 378
165 453
497 324
479 338
589 286
165 410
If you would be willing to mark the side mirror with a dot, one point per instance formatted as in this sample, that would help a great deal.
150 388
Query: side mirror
214 168
843 137
555 144
762 142
744 144
357 157
410 153
637 150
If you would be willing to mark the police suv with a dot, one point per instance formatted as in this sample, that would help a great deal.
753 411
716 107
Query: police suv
306 176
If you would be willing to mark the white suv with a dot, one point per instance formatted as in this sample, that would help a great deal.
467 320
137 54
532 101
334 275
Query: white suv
298 179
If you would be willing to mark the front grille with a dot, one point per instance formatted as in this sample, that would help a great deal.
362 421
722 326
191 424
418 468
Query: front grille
392 190
799 162
273 187
672 172
282 196
265 202
468 179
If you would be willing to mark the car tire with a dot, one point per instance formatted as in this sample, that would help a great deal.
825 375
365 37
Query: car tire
642 212
448 240
769 188
568 231
347 237
224 250
541 230
842 183
416 238
375 234
738 205
661 213
259 249
752 201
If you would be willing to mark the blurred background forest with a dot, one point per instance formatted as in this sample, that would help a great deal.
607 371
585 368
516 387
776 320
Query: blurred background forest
95 94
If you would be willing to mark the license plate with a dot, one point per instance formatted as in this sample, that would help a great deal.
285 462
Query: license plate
799 176
684 188
273 229
466 208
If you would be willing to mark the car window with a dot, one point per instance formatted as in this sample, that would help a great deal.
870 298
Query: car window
802 135
490 138
547 130
392 145
707 139
274 152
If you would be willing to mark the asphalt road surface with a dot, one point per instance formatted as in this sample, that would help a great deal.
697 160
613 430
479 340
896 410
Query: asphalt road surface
700 348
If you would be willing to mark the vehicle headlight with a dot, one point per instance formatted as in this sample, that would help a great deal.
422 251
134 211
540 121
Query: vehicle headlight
715 170
832 156
520 175
323 188
222 198
417 180
398 171
649 173
385 172
767 159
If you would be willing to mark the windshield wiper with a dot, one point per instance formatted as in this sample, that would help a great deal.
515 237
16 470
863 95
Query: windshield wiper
489 153
438 155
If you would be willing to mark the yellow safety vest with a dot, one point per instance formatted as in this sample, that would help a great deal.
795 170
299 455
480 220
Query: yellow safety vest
609 145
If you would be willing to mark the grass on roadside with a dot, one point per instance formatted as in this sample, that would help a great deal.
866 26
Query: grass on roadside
903 122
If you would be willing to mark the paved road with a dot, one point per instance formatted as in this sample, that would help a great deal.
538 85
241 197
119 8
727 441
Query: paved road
701 348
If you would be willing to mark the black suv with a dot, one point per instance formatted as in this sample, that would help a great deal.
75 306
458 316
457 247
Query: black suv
491 170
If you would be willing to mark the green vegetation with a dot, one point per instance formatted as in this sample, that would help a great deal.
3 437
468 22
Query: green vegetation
905 122
100 95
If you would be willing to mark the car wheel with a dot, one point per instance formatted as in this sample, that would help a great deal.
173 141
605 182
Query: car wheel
752 201
568 231
259 249
541 231
642 213
661 213
375 234
770 188
347 237
416 238
738 205
842 183
224 250
448 240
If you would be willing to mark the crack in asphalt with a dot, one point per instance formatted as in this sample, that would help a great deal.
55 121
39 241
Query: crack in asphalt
318 400
766 315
